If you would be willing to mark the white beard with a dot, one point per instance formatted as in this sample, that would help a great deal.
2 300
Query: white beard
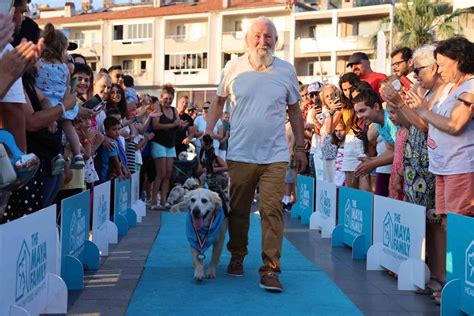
260 61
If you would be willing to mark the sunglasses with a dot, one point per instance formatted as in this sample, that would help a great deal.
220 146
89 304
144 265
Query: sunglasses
417 70
118 76
205 108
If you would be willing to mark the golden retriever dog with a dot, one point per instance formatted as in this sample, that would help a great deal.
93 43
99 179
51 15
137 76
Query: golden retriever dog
206 225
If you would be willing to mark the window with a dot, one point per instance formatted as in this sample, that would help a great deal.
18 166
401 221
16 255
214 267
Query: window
93 65
355 28
310 69
180 31
78 38
118 32
127 65
133 31
143 65
238 26
186 61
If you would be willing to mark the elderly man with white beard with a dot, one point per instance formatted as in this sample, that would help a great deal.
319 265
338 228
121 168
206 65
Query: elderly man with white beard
261 88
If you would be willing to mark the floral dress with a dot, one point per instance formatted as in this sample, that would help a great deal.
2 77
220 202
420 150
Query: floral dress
419 183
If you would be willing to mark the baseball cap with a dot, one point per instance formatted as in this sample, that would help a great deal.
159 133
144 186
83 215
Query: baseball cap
356 58
315 87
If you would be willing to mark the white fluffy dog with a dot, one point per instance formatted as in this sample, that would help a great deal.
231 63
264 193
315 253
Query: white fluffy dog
206 225
177 193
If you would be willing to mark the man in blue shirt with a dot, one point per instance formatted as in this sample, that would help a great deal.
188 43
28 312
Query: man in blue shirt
368 107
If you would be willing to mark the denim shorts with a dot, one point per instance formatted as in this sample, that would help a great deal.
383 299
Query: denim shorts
160 151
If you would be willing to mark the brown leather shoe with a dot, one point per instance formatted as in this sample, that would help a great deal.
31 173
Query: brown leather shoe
235 267
270 282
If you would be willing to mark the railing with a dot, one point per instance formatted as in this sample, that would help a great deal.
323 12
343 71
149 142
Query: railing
309 45
82 43
184 38
363 3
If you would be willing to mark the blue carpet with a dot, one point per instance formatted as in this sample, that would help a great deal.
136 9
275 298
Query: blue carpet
167 286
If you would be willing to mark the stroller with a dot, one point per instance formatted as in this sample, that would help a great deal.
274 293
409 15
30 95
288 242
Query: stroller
183 166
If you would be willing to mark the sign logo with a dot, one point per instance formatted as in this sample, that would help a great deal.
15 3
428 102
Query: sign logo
102 216
76 232
387 230
470 264
353 219
304 195
123 199
30 266
396 236
325 204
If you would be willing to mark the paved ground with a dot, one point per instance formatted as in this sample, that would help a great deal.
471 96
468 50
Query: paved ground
108 290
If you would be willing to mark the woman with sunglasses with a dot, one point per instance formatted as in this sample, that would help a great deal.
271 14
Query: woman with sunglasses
418 181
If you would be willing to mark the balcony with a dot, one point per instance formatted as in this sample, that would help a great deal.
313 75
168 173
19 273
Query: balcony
128 47
140 78
185 43
234 42
87 48
307 46
187 77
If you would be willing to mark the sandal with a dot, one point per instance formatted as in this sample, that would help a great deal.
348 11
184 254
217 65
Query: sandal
155 208
77 162
434 285
437 298
58 163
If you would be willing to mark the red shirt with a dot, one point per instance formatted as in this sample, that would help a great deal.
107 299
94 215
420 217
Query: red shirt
374 79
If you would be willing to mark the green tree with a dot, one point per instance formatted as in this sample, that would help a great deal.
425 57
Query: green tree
420 22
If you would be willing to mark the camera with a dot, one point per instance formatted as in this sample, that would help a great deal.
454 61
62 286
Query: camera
207 140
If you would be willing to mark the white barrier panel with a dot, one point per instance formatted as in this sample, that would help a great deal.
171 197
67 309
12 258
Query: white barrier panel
137 205
104 231
399 242
28 266
324 218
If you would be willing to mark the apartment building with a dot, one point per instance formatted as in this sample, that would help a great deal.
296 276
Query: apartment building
325 39
187 43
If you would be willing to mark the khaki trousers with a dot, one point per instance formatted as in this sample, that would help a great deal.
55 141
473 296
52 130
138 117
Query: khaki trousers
244 178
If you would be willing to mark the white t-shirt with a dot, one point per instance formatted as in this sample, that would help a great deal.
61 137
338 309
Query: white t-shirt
258 103
381 148
15 94
200 124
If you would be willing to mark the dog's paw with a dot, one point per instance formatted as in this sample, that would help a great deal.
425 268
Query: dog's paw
211 273
198 275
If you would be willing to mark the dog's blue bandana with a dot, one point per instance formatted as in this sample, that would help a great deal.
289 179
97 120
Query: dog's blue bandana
202 239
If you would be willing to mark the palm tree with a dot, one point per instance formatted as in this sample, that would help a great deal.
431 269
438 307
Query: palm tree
420 22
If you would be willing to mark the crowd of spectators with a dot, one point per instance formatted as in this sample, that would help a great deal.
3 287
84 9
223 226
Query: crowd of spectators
408 136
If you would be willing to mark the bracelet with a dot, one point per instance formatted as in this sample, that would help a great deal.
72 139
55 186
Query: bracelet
62 107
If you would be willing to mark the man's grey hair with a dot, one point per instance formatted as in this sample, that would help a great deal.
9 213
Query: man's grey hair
425 53
265 20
